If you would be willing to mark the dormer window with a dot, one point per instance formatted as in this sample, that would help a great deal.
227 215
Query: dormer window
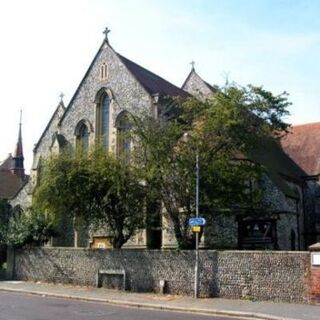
103 72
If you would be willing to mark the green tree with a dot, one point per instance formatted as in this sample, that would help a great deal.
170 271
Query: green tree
96 190
5 214
119 195
223 131
29 228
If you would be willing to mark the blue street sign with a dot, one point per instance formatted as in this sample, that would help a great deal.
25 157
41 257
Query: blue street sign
197 221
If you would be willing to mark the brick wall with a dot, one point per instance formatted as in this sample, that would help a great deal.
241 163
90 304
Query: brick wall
315 284
261 275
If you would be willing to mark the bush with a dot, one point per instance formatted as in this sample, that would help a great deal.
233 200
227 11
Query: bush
30 228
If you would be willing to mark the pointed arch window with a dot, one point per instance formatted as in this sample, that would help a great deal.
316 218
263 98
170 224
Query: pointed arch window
103 113
82 133
84 138
123 135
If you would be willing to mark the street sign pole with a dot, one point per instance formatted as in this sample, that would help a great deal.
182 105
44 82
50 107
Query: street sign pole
196 268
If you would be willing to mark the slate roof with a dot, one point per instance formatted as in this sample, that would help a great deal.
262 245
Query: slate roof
9 182
151 82
7 163
270 153
302 144
279 165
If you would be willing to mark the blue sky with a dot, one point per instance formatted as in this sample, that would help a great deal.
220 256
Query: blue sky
47 45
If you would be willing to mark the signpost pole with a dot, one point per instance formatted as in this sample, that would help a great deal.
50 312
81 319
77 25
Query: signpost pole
196 268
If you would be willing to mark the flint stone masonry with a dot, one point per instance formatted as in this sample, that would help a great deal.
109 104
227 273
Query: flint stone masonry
260 275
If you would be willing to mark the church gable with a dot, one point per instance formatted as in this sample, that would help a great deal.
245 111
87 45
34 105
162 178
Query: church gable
197 87
109 77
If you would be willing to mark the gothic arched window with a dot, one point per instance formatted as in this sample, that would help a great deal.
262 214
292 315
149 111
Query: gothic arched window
105 114
103 103
82 133
123 134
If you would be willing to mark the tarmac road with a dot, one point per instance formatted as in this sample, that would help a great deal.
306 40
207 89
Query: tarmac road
14 306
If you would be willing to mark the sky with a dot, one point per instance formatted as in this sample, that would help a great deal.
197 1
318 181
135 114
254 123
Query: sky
47 46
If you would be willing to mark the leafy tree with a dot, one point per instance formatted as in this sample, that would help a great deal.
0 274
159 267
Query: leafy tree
223 131
119 196
29 228
5 213
65 189
94 189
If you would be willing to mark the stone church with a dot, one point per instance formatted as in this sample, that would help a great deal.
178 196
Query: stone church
114 85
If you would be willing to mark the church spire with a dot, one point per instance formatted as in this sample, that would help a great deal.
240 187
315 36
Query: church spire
18 168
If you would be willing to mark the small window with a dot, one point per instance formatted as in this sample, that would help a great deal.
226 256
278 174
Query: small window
103 72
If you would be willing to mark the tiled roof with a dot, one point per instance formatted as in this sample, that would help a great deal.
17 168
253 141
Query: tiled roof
152 82
270 154
9 184
7 164
279 166
302 144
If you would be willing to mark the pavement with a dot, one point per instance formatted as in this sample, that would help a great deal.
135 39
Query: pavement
207 306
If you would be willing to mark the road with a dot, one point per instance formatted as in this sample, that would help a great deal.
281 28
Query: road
14 306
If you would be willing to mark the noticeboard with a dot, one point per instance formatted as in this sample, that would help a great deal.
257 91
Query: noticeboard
315 259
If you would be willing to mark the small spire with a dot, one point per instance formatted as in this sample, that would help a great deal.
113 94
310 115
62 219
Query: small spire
192 65
18 168
106 32
19 151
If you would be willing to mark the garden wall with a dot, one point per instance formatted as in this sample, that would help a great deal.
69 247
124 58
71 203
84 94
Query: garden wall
261 275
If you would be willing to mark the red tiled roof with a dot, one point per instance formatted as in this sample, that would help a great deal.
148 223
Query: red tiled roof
302 144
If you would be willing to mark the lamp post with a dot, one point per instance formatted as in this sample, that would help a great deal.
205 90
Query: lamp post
196 267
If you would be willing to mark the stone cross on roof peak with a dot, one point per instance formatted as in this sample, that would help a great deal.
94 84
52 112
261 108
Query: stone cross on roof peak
61 95
106 32
192 64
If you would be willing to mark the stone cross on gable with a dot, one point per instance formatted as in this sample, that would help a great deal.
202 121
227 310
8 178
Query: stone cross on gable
192 64
61 96
106 32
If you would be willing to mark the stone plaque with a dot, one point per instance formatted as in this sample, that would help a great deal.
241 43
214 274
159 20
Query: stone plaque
315 258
